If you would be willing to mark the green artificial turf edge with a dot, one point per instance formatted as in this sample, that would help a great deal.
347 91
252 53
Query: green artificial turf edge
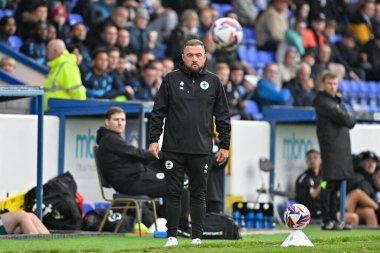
357 240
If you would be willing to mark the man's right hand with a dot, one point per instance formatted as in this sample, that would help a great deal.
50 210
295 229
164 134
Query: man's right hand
154 148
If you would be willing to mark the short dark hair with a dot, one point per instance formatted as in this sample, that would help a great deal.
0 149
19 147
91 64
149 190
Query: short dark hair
236 65
328 75
311 151
97 51
113 110
193 42
113 48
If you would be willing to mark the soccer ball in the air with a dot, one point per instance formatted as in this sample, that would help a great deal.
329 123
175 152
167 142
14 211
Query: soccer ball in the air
297 216
227 33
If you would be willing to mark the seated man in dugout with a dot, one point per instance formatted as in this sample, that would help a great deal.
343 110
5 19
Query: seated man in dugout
362 189
129 169
308 189
21 222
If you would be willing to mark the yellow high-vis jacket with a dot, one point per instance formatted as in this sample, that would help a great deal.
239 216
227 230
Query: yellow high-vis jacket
64 79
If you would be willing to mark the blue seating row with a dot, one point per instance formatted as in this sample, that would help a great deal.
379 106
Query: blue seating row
6 12
362 95
256 58
221 8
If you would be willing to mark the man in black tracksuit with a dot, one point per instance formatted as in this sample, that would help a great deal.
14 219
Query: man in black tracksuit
333 125
189 98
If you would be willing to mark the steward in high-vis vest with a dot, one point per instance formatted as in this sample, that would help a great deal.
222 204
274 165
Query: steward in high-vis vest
64 78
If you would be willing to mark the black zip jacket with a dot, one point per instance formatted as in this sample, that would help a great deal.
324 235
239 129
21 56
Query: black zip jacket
120 163
333 125
188 102
306 183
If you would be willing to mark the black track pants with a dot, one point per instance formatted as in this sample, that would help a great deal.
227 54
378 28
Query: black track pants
329 201
196 167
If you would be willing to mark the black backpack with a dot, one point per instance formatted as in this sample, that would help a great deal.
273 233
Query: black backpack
59 210
220 226
93 219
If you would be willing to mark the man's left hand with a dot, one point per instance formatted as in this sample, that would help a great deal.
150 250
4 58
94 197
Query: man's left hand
221 156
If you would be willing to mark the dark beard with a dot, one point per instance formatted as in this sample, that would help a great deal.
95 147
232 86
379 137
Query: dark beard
191 70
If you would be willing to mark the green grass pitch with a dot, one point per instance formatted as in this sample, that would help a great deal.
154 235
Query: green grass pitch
356 240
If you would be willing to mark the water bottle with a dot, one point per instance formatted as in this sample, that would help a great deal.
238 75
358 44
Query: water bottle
242 222
237 217
251 220
269 222
260 220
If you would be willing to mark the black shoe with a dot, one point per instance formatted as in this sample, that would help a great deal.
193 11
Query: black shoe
328 226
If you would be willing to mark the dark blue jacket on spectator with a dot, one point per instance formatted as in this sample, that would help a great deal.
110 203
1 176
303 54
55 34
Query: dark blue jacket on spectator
35 50
139 40
102 86
86 63
144 91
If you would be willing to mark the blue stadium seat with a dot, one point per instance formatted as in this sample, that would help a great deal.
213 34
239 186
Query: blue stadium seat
161 51
249 36
266 56
86 208
262 58
375 97
354 88
6 12
75 19
252 57
101 205
251 108
363 89
242 50
9 12
16 42
348 106
345 88
336 38
221 8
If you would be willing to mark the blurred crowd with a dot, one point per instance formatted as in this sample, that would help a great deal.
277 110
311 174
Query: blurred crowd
124 48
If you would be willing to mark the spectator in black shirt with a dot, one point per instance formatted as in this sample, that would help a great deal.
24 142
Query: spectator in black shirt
78 34
302 87
145 86
372 53
35 47
351 55
29 17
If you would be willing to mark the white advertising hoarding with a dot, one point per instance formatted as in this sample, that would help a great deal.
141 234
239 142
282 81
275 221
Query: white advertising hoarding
249 142
18 152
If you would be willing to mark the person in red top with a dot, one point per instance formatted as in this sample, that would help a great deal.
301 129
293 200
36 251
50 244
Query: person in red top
313 36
